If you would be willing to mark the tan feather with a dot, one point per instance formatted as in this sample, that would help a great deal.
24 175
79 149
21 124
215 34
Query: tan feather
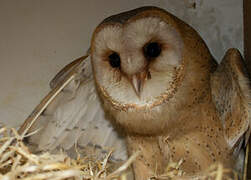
231 95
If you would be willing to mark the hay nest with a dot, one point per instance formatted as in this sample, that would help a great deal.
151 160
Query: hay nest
18 163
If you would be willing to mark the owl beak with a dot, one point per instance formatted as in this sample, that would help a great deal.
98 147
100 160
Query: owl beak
137 81
137 84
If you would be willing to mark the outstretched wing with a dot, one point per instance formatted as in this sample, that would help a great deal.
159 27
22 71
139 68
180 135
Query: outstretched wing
71 114
231 94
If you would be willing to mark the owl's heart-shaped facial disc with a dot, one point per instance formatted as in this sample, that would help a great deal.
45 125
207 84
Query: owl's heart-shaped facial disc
130 59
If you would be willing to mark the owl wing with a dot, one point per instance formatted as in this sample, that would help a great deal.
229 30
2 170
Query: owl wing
71 114
230 87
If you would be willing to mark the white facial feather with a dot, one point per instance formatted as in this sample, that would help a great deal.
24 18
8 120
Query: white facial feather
145 30
128 41
109 38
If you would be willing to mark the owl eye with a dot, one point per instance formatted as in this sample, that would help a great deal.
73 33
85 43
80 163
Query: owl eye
152 50
114 60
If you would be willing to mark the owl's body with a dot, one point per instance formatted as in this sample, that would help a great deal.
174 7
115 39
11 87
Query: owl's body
160 86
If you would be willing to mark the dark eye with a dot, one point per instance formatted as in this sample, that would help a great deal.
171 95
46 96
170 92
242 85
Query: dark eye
152 50
114 60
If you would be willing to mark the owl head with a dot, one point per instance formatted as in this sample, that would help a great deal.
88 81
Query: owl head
145 62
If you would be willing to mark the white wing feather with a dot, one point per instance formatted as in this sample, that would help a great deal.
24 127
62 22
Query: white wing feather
76 117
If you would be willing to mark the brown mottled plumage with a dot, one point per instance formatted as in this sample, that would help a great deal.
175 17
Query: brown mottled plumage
160 85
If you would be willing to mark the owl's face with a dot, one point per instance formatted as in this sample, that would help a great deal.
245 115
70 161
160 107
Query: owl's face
137 60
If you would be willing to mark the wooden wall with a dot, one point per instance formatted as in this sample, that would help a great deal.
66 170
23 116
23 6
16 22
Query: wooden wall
247 32
247 54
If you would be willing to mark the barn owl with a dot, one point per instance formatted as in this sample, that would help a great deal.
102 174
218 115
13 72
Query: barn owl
151 85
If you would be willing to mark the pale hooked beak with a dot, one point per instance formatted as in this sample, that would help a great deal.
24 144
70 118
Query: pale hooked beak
138 80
